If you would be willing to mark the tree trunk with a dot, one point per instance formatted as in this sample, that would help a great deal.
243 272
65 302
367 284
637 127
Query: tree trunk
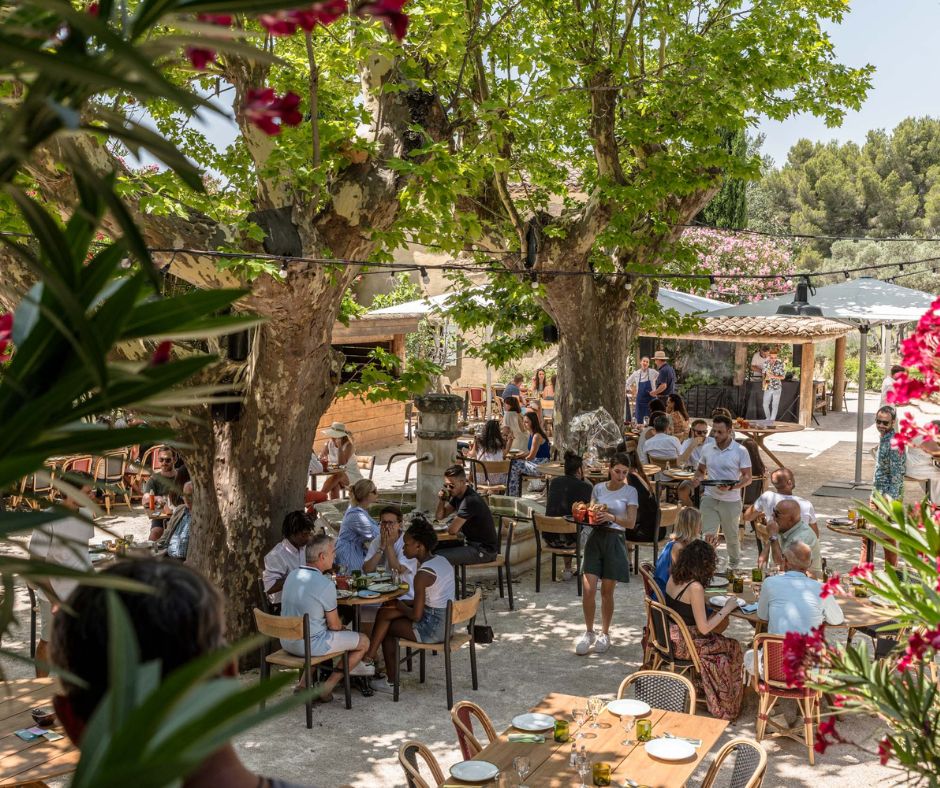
247 474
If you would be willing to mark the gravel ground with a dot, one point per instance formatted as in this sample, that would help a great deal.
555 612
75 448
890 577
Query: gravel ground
533 655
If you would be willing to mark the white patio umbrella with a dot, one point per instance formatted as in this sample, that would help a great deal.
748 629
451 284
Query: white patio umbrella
863 303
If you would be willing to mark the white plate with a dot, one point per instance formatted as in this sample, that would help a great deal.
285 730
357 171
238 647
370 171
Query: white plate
344 593
533 722
628 707
383 588
718 582
367 594
474 771
669 749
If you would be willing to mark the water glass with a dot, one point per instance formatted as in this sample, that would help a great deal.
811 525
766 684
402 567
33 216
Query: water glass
595 707
627 721
584 768
579 716
522 766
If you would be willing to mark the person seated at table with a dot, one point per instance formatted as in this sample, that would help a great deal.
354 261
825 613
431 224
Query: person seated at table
514 431
162 483
473 519
491 447
178 621
424 620
339 452
720 656
62 542
675 409
308 590
605 560
539 451
389 550
786 527
783 483
539 384
563 493
690 453
297 529
647 506
357 529
791 602
662 445
514 389
688 527
176 535
655 408
685 493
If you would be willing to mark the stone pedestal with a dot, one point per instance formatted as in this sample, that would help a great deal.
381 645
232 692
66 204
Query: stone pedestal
437 441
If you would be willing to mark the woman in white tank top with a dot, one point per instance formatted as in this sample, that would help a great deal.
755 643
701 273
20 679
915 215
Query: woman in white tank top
425 618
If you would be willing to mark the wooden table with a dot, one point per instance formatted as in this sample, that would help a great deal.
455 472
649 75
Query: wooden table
40 759
759 434
549 761
357 602
595 474
858 533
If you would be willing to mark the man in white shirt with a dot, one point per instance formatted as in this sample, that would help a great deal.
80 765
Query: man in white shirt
389 549
721 506
692 448
288 554
887 384
783 482
662 445
63 542
758 359
791 603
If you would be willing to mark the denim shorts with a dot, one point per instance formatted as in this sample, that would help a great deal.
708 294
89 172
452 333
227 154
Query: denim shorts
430 627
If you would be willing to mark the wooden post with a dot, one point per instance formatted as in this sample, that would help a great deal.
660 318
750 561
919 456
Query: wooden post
741 363
838 375
807 390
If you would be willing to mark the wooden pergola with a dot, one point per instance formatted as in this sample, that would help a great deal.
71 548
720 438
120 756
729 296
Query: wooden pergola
777 330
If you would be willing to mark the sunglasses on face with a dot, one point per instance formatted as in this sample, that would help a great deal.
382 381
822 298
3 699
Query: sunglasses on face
449 485
166 459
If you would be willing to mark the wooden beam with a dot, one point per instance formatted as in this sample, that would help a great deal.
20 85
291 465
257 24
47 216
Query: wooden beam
807 394
838 376
741 363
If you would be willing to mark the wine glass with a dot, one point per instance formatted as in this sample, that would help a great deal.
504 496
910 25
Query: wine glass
584 768
579 715
627 721
522 766
595 707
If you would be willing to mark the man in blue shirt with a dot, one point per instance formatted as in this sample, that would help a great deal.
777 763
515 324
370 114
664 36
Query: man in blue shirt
512 389
309 591
665 376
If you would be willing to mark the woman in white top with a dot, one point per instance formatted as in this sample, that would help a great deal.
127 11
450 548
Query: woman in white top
605 554
424 619
490 447
339 452
514 431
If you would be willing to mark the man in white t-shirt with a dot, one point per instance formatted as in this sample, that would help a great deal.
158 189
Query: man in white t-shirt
692 448
662 445
721 506
63 542
758 359
783 483
389 549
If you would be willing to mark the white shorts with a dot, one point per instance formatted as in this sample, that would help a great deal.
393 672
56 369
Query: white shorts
333 640
45 619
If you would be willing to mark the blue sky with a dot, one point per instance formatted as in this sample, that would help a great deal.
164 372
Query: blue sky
899 38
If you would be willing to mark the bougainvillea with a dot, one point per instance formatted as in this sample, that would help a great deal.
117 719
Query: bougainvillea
6 330
269 112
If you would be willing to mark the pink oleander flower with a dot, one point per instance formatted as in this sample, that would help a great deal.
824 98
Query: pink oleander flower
917 646
223 20
389 11
885 748
801 652
93 9
6 330
269 112
826 729
285 23
830 587
162 354
200 57
862 570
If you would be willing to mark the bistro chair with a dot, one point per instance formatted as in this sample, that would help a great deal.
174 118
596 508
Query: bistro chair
666 516
109 478
661 690
462 611
770 685
750 763
483 485
462 715
408 758
652 590
547 415
264 601
664 650
34 487
296 628
366 462
542 524
501 562
477 400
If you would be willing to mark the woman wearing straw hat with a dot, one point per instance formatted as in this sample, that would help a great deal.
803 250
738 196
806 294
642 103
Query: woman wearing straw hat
339 452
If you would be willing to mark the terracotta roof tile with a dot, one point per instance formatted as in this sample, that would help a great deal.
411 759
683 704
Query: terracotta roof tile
767 329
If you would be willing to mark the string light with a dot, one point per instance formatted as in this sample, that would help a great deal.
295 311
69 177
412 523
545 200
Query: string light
425 277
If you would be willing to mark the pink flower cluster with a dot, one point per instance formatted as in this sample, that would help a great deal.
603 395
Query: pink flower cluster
831 586
162 354
269 112
884 750
826 729
801 652
917 646
285 23
6 330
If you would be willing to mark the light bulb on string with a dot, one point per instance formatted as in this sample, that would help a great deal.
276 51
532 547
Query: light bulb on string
425 277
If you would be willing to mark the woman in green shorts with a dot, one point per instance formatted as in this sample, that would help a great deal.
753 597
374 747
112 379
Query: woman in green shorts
605 554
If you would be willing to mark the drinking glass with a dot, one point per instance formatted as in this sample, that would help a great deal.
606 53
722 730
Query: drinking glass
584 768
579 716
627 721
522 766
595 707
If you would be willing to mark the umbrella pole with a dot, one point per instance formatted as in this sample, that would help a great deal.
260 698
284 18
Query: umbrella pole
863 330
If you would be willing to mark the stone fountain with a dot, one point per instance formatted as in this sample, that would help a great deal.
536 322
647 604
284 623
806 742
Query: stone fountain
437 444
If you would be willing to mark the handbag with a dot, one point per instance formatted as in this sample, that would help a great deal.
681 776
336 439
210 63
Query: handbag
483 633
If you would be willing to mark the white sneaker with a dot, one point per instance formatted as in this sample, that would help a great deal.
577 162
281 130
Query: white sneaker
363 669
583 646
382 685
602 643
567 574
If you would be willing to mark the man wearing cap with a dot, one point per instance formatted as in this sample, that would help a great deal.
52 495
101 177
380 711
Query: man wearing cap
339 453
665 376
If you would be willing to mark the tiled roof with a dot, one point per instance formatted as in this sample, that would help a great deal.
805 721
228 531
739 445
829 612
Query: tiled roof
766 329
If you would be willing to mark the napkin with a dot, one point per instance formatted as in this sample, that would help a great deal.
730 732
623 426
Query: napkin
721 600
526 738
693 742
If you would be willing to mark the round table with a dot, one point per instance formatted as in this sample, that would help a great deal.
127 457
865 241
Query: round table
758 434
356 602
858 533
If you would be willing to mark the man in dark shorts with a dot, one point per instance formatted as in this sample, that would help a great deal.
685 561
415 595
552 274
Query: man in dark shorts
473 519
563 493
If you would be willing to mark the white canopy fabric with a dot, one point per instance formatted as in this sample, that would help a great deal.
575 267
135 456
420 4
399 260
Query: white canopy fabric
863 300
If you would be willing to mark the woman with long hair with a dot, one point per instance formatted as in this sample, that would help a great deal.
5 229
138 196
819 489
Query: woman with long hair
605 560
647 504
357 529
491 447
688 527
539 382
514 432
538 451
339 453
721 657
675 408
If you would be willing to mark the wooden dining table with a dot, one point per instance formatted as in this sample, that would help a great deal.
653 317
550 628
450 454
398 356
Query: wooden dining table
760 434
40 759
837 525
549 760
